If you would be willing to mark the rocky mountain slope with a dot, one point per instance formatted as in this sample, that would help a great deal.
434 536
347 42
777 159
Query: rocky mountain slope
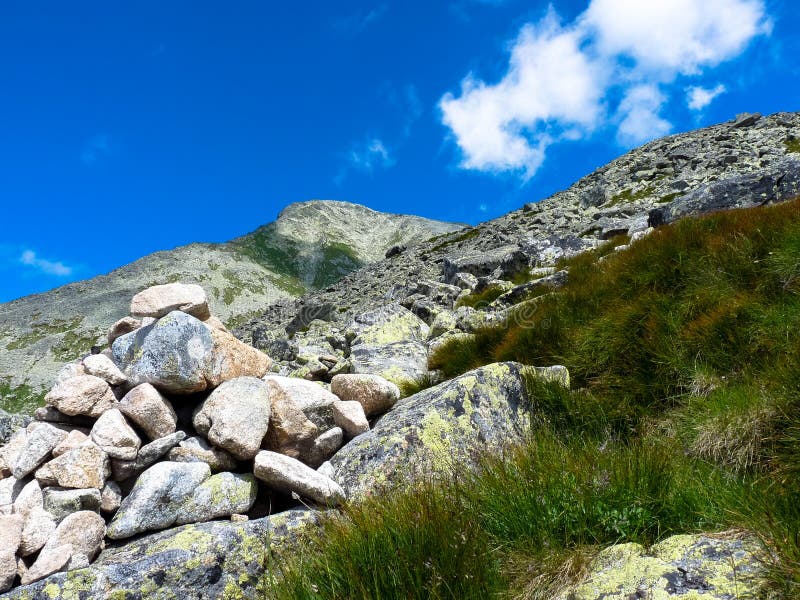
310 245
743 162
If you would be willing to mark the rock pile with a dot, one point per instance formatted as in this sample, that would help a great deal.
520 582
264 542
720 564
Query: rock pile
176 422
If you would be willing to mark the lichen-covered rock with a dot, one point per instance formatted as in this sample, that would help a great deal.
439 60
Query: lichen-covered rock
84 467
115 437
325 446
197 449
82 395
103 367
398 362
387 325
39 443
285 474
159 300
434 429
180 355
60 502
147 408
724 567
10 424
156 498
235 416
221 495
202 562
373 392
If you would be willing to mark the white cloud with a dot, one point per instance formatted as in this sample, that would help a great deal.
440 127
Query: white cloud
619 57
675 36
698 97
366 157
639 114
508 126
47 267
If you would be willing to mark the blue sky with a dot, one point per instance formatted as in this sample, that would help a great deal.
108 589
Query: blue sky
131 127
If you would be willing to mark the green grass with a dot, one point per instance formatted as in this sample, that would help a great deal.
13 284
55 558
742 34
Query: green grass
686 417
462 237
628 196
481 299
793 146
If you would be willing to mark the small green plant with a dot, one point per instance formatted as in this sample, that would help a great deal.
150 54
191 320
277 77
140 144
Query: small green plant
627 196
793 145
483 298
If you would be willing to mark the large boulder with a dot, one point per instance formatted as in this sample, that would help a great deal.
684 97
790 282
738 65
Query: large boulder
160 300
103 367
235 416
398 362
437 428
721 567
386 325
201 562
156 500
181 355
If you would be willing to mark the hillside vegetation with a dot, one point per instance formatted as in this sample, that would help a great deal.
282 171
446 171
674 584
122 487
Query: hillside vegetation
684 416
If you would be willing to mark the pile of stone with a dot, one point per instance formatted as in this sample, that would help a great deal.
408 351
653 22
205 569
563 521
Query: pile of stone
176 422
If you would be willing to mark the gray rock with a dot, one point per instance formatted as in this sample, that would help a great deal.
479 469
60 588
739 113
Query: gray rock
198 450
53 415
148 454
325 446
115 437
61 502
235 416
10 451
156 499
82 395
159 300
746 120
39 443
121 327
386 325
193 561
286 474
221 495
10 487
84 467
434 429
10 424
147 408
29 499
398 362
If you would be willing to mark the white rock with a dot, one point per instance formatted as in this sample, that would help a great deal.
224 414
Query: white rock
70 370
10 452
325 446
39 527
82 395
10 533
289 475
145 406
39 443
115 437
376 394
29 499
235 416
103 367
350 416
83 530
159 300
10 487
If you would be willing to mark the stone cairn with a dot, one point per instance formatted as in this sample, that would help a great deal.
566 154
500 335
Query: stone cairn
176 422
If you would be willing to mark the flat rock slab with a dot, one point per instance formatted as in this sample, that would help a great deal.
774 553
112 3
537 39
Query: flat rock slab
193 561
159 300
441 426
